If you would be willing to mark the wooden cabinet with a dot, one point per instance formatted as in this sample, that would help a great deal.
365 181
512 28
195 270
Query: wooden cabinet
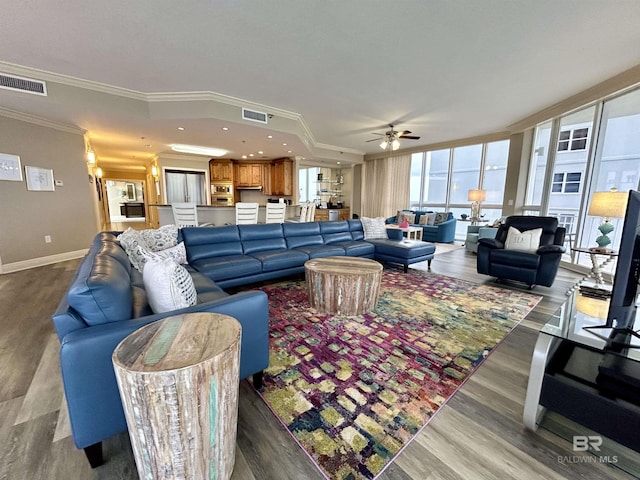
322 214
282 177
221 171
248 174
266 179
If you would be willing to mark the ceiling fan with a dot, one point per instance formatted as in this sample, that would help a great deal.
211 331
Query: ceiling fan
390 138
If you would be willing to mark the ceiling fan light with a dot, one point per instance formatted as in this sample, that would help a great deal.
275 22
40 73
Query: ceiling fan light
395 145
384 145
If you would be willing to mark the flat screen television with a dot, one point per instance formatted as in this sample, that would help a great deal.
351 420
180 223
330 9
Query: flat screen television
622 309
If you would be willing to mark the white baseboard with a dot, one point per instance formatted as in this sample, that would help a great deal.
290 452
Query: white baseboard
41 261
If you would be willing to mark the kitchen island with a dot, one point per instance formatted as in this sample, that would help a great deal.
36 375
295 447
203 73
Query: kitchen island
215 214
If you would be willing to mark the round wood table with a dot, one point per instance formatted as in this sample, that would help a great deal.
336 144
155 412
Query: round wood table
343 285
178 380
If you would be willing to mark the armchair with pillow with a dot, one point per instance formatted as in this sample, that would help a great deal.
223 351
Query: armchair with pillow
436 226
526 248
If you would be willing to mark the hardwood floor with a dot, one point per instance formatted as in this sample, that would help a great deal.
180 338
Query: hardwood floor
478 434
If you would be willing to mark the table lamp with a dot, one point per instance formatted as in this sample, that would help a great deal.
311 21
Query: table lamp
611 204
476 196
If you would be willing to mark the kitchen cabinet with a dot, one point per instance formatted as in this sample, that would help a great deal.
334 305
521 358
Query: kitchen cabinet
282 177
324 215
248 174
221 170
266 179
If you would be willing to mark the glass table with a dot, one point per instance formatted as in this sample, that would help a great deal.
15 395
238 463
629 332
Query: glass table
589 375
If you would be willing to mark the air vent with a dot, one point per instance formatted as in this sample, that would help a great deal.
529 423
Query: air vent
27 85
254 116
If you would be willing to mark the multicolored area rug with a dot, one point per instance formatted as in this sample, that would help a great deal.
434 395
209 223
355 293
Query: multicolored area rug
353 390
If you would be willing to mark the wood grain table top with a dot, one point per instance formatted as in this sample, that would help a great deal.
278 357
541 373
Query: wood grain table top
343 265
177 342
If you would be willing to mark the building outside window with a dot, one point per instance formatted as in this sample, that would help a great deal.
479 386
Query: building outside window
583 165
575 139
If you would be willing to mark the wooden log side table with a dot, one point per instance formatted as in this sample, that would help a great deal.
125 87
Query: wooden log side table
343 285
178 380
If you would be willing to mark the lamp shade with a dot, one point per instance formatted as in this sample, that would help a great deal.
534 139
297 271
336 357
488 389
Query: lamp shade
611 204
477 195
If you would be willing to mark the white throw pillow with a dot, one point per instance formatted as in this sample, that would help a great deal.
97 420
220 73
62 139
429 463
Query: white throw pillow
168 285
527 241
374 228
177 253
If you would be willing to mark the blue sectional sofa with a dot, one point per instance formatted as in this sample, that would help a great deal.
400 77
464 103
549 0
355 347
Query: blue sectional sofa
444 232
107 301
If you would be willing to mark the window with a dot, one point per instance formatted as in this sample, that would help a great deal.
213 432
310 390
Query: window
566 182
575 139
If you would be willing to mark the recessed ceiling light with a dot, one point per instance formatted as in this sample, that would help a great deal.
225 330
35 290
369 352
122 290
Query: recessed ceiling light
148 145
269 136
197 150
260 152
284 144
338 163
251 154
181 128
289 151
244 156
225 128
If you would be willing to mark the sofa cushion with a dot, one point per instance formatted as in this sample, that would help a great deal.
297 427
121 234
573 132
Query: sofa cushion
355 227
403 216
168 285
229 266
357 248
516 259
374 228
317 251
203 243
258 238
302 234
280 259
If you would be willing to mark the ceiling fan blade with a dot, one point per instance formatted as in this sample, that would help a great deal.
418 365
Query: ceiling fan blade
404 132
410 137
374 140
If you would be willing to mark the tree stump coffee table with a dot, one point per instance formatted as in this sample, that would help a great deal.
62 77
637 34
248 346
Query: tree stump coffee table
178 380
343 285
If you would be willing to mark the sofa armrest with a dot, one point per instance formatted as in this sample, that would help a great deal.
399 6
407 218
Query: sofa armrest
390 220
547 249
491 242
90 385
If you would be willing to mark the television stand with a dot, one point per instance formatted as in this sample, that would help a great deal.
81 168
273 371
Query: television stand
584 377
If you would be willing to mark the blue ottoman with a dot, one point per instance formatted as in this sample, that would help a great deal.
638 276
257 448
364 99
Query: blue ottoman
404 251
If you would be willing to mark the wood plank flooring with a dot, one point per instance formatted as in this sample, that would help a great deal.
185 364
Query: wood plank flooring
478 434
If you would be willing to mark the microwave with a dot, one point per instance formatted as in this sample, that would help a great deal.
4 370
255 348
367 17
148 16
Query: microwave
221 189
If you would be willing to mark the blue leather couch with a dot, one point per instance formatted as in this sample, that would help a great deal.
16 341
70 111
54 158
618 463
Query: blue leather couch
444 232
104 304
107 301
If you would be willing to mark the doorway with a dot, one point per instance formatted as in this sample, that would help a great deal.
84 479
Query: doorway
125 199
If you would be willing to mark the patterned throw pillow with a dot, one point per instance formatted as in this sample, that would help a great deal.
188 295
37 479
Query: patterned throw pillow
406 217
373 228
168 285
527 241
440 218
177 253
130 240
427 218
157 239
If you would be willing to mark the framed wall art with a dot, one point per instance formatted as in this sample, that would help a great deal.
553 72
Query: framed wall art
10 167
39 179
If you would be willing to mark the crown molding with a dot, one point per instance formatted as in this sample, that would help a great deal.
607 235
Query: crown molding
43 122
159 97
38 74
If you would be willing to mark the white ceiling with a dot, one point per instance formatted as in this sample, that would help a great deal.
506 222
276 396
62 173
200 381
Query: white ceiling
331 73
